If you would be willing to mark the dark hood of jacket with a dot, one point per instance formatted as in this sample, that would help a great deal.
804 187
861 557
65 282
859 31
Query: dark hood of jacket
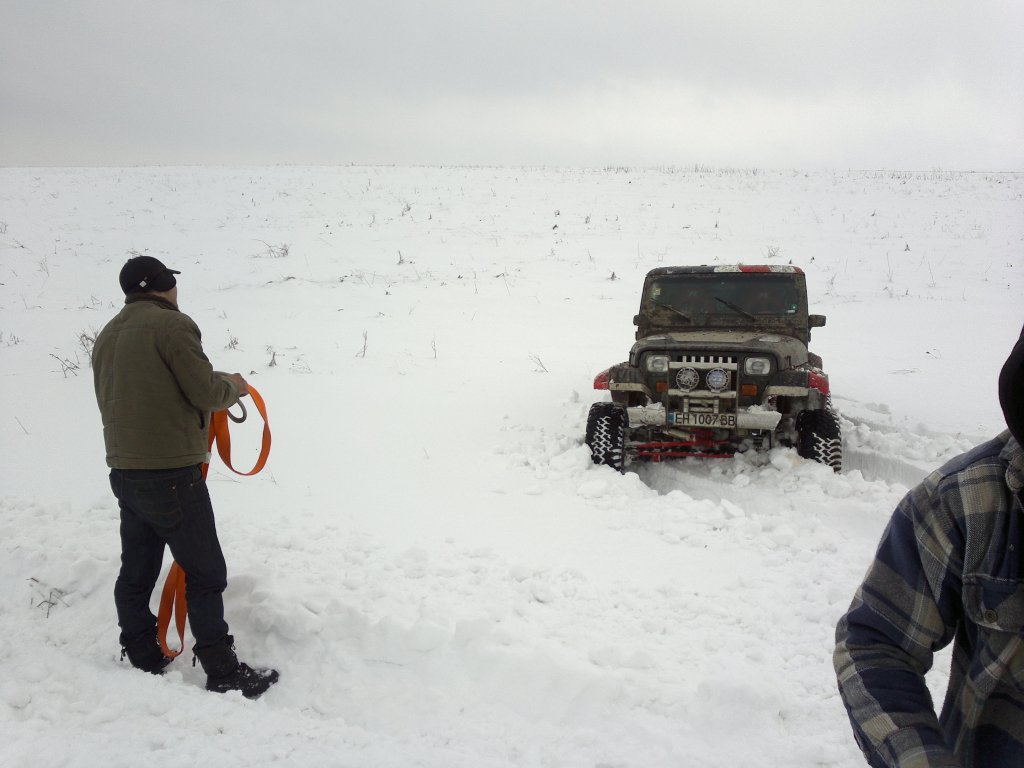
1011 390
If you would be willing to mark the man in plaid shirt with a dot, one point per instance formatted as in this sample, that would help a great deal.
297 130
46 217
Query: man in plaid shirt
950 567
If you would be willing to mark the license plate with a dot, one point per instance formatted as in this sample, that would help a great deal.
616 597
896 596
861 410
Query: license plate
705 419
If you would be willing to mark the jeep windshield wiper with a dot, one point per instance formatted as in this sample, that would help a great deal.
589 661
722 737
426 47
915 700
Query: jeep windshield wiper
734 308
669 307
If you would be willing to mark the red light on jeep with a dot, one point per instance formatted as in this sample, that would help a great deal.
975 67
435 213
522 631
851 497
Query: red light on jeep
748 390
601 380
661 386
818 381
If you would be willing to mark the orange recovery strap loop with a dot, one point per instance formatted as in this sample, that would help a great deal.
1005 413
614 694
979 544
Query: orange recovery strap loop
219 434
172 599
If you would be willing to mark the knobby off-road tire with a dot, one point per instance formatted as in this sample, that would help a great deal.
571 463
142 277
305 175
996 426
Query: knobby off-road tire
819 438
606 435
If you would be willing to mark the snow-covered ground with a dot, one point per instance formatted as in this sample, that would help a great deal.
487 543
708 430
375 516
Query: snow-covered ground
430 559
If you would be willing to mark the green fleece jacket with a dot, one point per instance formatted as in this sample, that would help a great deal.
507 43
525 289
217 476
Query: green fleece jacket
155 387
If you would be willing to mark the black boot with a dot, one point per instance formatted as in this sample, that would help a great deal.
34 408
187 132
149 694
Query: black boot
224 672
145 654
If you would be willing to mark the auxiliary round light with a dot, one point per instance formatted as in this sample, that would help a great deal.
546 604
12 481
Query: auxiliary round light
718 379
687 379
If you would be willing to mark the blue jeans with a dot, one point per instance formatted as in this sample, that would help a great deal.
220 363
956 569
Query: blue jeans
168 507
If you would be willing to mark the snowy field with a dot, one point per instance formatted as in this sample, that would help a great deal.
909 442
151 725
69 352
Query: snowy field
430 559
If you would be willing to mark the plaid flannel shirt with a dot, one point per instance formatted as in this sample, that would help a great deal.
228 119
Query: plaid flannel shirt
950 567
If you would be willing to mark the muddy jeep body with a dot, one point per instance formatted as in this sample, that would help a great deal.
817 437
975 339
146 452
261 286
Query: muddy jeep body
720 364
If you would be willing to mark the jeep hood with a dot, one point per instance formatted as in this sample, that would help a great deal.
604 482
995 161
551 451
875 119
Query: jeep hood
789 351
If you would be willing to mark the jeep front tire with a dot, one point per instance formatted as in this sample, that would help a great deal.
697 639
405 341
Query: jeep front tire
819 437
606 435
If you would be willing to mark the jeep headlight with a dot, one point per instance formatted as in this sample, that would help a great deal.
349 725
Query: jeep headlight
657 364
757 366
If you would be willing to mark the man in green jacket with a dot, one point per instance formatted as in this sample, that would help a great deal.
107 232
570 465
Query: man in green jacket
155 389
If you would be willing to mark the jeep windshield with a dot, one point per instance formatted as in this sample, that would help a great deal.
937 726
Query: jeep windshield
742 295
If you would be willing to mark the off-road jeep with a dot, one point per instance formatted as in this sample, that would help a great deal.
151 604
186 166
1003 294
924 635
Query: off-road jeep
720 365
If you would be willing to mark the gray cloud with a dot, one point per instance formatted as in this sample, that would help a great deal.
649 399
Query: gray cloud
911 84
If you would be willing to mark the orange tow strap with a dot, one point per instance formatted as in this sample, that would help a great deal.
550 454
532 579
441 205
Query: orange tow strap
172 599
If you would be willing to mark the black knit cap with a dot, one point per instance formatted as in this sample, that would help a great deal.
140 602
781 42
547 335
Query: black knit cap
145 273
1011 390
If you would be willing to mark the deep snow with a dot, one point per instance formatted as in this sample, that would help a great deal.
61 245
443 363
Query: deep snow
430 558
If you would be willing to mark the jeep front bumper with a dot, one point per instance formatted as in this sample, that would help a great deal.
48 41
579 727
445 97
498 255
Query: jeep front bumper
658 416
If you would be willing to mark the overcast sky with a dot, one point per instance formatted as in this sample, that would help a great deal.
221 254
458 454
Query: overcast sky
923 85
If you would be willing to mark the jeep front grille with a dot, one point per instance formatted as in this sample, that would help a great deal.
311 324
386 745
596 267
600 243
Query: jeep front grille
710 361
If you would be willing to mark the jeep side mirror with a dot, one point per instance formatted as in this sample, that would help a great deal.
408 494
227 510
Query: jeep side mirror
636 319
815 321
